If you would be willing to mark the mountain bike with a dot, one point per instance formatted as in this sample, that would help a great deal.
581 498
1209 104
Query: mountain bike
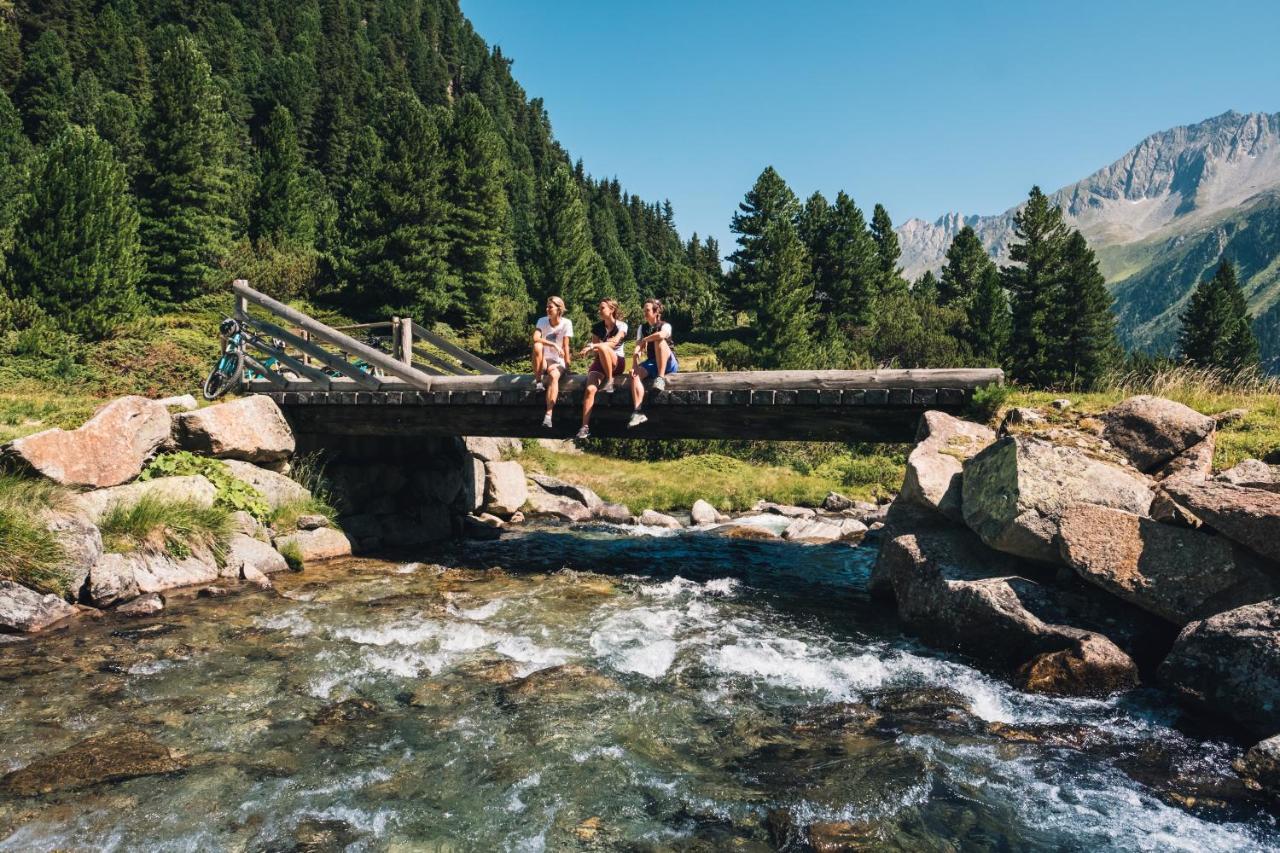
229 371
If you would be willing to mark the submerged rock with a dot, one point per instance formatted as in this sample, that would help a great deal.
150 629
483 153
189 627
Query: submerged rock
934 468
323 543
27 611
107 450
562 681
1249 516
1016 490
745 531
144 605
1093 666
1260 766
1151 431
653 518
104 758
1175 573
251 429
1229 665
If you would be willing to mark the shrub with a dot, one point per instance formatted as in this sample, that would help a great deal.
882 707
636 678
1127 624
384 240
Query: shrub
292 556
734 355
176 528
987 401
233 495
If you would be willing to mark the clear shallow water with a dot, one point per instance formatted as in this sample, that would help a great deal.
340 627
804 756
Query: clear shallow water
581 690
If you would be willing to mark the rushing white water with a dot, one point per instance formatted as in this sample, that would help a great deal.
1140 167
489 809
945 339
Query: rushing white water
693 692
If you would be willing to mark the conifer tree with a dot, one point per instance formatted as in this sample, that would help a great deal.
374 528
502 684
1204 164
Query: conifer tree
284 211
853 271
785 317
1032 284
888 252
1216 329
1081 325
45 88
10 50
989 325
768 202
15 153
570 265
77 251
186 189
926 288
967 265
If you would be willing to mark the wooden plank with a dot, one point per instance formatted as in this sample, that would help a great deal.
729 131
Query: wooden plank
438 366
338 339
449 348
319 353
269 375
288 360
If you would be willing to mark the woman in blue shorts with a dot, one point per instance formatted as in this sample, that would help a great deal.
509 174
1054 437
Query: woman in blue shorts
654 346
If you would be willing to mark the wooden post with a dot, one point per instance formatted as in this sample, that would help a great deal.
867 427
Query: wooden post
395 339
242 304
306 336
404 339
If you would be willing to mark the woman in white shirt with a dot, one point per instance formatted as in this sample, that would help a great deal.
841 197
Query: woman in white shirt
607 338
551 352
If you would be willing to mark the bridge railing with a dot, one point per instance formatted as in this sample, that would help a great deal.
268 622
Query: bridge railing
285 347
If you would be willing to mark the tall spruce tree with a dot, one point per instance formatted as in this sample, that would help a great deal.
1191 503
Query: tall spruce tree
186 190
852 271
1032 283
888 252
284 211
967 265
989 326
571 267
15 154
1081 325
45 88
77 253
925 288
1216 328
785 316
769 201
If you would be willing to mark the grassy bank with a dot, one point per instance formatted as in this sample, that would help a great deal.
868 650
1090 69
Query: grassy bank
29 553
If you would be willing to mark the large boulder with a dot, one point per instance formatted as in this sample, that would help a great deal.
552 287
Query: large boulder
581 494
548 505
251 429
488 449
1015 491
276 488
951 589
822 530
81 546
1174 572
120 577
194 488
1247 515
1253 473
704 513
324 543
505 489
107 450
245 552
25 610
934 468
1151 431
1229 665
1260 766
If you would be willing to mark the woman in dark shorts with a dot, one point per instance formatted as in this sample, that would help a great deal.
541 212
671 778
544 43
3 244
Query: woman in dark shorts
607 337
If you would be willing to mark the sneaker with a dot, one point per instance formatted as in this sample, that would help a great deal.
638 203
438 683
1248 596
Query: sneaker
585 432
608 387
636 419
538 386
546 420
659 383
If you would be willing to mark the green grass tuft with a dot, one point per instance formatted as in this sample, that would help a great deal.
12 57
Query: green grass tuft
292 556
284 518
29 553
175 528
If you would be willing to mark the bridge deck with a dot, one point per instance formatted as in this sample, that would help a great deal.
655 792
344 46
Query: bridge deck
827 405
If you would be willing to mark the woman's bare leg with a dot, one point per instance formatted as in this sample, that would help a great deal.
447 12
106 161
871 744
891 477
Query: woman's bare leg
553 386
638 376
589 396
537 361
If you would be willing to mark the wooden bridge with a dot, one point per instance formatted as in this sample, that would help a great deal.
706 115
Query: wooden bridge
404 380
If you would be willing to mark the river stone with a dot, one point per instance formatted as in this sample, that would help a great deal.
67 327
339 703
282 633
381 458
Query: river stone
24 610
1230 665
559 681
1175 573
836 502
193 487
1152 430
1249 516
311 522
745 531
144 605
950 588
251 429
246 552
81 546
547 505
252 575
104 758
614 513
785 510
819 531
653 518
505 488
1092 666
933 477
1014 493
158 572
111 579
581 494
488 449
1260 766
107 450
276 488
323 543
703 513
1253 473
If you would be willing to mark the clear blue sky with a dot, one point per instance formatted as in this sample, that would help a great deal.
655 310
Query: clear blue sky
927 107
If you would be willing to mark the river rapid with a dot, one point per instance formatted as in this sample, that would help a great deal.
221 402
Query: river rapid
592 688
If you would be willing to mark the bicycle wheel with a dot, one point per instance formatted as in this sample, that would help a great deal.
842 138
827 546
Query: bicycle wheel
225 376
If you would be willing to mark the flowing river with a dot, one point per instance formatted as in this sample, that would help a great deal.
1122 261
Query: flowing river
593 688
